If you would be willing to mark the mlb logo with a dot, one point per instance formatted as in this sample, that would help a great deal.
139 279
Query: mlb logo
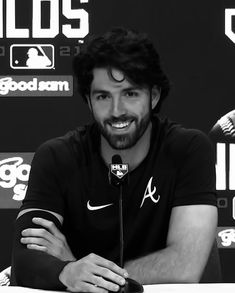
119 170
32 56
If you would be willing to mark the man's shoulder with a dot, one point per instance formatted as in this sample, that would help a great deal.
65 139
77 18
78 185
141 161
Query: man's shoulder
185 136
74 144
74 136
180 141
174 134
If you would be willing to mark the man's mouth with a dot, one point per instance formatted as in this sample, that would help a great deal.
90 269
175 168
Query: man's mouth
120 125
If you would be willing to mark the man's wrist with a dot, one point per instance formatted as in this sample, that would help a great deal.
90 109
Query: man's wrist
65 274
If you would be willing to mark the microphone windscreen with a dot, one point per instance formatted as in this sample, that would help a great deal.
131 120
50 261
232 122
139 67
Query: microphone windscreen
116 159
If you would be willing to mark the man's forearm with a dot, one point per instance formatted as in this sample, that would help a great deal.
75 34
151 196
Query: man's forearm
31 268
164 266
191 233
38 270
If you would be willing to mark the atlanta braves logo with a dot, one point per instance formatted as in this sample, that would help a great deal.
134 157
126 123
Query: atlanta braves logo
149 192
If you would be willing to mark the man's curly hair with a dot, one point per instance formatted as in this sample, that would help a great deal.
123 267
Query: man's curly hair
126 50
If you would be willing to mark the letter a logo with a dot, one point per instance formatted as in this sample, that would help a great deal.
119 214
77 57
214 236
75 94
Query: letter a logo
149 192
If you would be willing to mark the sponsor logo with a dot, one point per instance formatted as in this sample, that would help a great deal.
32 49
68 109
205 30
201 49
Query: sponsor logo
225 167
62 51
149 193
53 85
229 15
119 170
225 174
222 202
226 237
45 20
59 15
32 56
95 208
14 175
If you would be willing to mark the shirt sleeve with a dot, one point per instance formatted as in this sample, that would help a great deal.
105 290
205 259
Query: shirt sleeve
34 268
195 183
46 184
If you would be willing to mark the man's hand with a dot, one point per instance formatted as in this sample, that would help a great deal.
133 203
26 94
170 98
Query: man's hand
93 274
89 274
49 240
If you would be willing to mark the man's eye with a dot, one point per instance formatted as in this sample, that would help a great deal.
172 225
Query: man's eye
131 94
102 97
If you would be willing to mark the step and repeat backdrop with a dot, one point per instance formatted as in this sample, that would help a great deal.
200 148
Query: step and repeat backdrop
39 100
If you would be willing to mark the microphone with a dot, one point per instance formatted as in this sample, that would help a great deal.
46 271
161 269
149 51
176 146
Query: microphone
118 177
118 172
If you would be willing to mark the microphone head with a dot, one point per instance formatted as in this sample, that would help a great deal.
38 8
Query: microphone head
116 159
118 172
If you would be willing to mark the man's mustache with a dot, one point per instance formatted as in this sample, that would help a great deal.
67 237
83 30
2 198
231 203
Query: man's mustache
120 119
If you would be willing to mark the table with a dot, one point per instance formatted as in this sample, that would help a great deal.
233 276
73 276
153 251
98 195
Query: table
159 288
190 288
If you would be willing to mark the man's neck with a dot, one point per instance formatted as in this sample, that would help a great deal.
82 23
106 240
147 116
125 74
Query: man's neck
132 156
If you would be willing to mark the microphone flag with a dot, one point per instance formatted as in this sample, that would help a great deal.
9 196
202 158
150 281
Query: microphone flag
117 171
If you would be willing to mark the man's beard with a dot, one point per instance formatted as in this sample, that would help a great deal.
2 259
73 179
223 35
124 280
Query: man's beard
128 140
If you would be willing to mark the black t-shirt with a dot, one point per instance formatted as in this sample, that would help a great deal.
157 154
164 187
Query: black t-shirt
68 176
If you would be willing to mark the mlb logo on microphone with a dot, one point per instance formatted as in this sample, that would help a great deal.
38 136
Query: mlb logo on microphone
32 56
119 170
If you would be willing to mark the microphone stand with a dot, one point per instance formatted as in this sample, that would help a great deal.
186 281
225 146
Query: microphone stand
131 286
121 227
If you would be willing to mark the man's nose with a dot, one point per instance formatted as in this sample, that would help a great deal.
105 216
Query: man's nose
117 108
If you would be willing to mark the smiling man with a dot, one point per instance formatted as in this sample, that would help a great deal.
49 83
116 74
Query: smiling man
121 110
67 231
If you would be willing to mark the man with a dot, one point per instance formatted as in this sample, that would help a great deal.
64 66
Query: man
170 213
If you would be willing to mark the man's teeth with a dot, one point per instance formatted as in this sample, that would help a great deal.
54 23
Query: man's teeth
120 124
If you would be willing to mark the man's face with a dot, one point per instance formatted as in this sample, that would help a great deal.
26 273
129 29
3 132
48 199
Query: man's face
121 110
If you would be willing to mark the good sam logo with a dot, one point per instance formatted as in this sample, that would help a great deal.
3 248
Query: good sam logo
14 175
36 86
226 237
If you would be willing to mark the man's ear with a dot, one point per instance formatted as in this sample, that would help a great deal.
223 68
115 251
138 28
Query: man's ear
155 95
88 101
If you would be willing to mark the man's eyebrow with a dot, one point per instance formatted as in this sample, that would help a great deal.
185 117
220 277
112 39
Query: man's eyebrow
102 91
132 88
99 91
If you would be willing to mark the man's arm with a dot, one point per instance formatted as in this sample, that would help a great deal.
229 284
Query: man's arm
47 238
37 269
190 237
34 268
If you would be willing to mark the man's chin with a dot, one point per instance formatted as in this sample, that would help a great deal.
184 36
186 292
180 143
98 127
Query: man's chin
121 142
125 140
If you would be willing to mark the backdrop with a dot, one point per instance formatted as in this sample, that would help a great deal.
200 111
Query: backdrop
38 98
